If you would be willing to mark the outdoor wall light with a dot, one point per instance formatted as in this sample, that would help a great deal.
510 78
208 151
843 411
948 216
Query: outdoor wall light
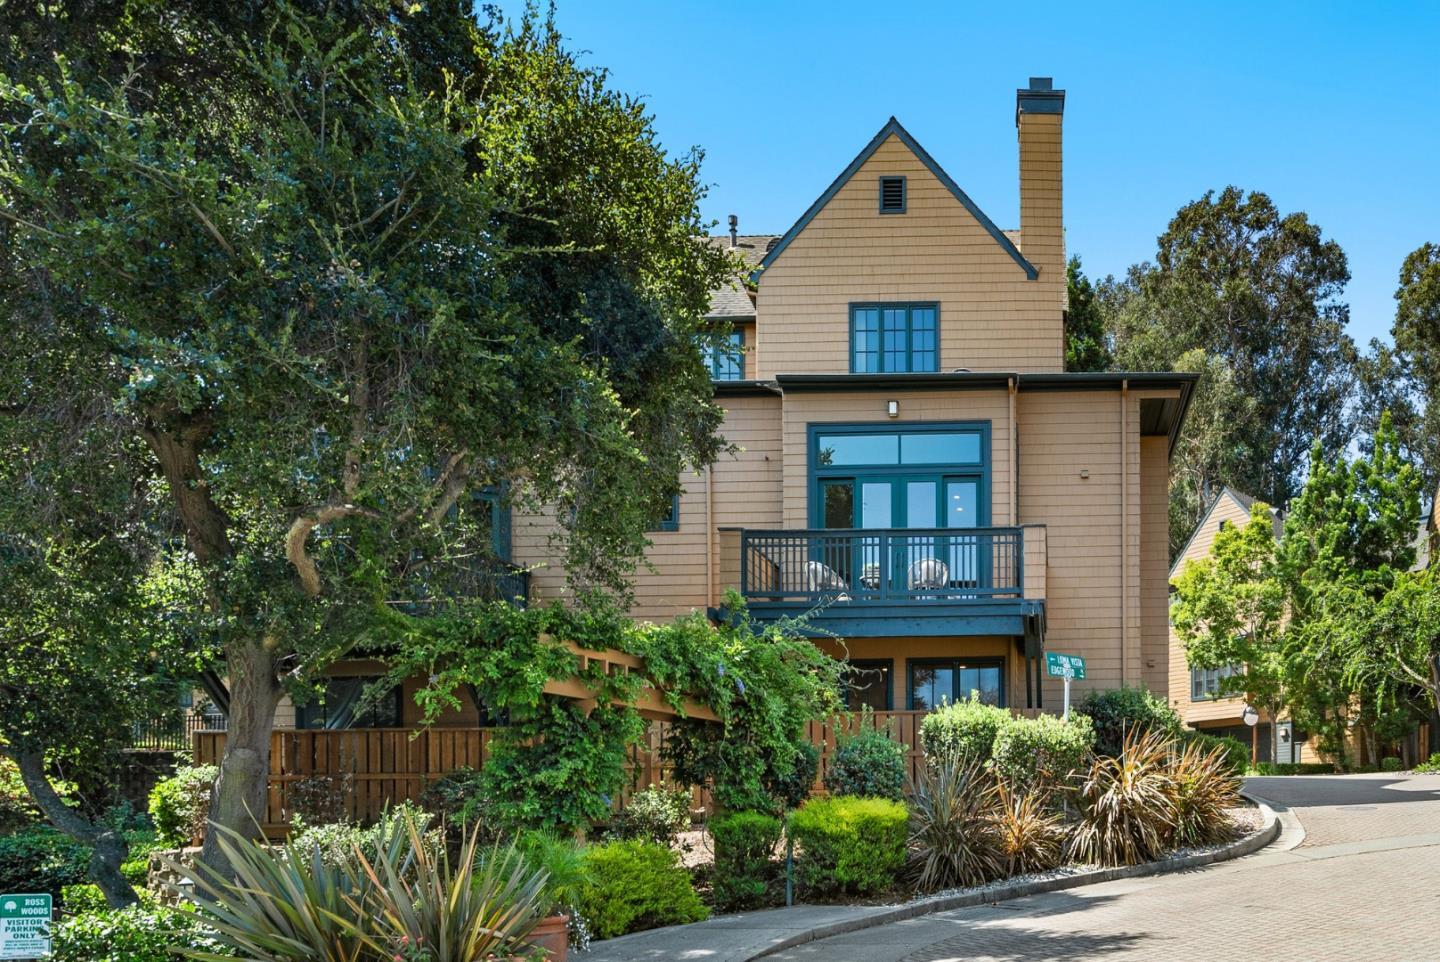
892 408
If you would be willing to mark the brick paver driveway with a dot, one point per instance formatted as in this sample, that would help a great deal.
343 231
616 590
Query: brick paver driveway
1364 885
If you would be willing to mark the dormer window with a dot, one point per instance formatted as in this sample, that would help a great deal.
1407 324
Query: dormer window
892 195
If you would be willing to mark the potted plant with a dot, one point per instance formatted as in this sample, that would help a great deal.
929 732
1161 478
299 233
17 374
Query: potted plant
563 862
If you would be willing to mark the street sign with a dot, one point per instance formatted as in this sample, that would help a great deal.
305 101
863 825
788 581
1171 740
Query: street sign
1064 666
25 926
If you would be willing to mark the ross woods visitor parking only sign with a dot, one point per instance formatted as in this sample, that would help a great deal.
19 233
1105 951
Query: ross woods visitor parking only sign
25 926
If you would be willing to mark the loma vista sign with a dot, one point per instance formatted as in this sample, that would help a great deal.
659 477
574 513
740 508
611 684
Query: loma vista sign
1064 666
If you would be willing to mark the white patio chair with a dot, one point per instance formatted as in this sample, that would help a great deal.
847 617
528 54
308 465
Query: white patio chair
927 573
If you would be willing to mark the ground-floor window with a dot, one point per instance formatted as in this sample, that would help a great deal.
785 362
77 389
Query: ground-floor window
349 703
937 681
869 684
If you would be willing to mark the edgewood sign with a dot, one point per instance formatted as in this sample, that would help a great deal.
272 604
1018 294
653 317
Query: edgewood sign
25 926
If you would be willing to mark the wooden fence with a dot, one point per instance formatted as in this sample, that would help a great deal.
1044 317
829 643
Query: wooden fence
374 767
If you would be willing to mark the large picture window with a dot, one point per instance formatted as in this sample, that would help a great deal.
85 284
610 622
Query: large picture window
894 337
936 682
351 703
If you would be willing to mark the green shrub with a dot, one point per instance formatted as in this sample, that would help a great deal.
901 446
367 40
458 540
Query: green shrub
1391 765
963 728
16 808
953 833
1236 752
655 815
1292 768
1119 711
136 934
636 885
1430 767
136 867
336 842
1126 803
41 859
868 764
1041 751
563 862
790 786
180 804
848 844
744 846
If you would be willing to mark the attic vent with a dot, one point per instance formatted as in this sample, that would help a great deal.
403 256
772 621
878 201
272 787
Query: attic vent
892 195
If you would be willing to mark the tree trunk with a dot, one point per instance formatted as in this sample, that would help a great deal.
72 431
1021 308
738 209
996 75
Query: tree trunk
108 847
237 801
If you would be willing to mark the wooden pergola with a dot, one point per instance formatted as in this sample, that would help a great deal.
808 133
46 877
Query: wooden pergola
651 702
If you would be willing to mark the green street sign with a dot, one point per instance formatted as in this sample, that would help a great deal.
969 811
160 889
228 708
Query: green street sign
25 926
1063 666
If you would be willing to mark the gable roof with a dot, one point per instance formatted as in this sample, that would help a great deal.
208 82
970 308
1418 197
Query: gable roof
1245 501
893 127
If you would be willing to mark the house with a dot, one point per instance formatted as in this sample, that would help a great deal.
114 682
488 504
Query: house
916 471
1195 692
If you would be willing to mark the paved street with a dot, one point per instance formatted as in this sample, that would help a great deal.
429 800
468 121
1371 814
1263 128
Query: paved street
1364 884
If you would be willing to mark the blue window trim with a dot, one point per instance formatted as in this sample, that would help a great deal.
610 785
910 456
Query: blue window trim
815 472
738 355
987 661
880 194
872 663
671 521
909 307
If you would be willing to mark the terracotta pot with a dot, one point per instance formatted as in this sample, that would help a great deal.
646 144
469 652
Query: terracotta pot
553 935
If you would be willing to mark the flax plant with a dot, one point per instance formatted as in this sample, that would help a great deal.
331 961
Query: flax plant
1029 831
1126 804
953 839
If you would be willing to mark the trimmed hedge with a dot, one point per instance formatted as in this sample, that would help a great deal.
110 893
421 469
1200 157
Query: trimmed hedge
1292 768
869 764
744 845
1030 752
849 845
963 728
180 804
1237 753
1121 710
635 885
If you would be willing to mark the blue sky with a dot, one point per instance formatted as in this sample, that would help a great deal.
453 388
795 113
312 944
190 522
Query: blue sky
1329 108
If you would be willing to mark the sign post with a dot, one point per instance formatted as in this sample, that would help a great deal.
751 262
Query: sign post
25 926
1067 667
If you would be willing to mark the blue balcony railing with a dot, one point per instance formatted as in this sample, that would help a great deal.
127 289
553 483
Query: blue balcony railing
883 565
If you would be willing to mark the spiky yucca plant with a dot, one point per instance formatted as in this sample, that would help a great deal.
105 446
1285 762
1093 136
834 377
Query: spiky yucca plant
953 840
1029 831
1203 788
1126 804
463 909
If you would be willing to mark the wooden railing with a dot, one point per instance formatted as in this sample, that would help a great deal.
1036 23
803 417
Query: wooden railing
376 767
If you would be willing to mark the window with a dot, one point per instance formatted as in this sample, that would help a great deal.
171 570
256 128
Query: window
1205 682
728 364
935 682
671 520
349 703
893 337
885 448
892 195
869 685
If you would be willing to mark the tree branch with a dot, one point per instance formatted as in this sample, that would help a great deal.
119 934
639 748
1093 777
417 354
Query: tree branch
299 533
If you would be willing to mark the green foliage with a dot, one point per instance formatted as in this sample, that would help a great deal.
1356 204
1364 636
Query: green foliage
1036 753
1430 766
455 798
1413 374
135 934
1126 803
636 885
790 786
1292 768
1119 711
1241 290
848 845
335 843
40 859
179 804
1235 752
744 852
954 839
17 810
654 814
869 764
963 729
1391 764
562 861
1086 343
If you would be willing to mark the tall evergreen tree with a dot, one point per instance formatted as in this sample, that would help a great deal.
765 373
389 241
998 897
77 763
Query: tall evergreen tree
1087 346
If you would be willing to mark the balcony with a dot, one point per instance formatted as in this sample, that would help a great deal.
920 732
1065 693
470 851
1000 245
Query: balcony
894 581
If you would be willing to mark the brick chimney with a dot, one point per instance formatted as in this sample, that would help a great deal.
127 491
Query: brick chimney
1039 115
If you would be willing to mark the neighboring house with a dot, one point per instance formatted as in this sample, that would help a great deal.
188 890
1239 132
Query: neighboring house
915 469
1194 692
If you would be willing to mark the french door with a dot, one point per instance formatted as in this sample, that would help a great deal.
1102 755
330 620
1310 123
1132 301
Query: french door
927 561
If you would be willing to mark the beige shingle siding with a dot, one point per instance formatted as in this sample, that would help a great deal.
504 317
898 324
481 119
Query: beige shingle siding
992 318
1154 563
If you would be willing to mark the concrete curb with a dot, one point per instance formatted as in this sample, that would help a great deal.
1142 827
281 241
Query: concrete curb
1267 833
1291 832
